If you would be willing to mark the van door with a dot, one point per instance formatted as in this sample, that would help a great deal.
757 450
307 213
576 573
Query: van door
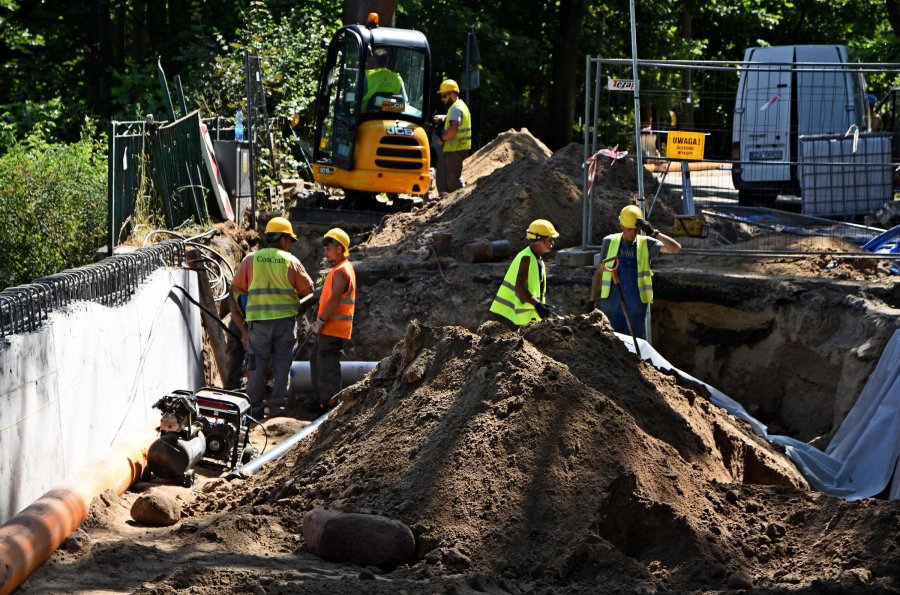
823 82
766 119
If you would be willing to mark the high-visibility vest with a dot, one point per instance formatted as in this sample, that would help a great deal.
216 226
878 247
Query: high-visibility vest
462 141
382 80
644 274
507 303
340 323
271 295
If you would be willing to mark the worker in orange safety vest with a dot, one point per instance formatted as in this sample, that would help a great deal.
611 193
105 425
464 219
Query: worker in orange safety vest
333 327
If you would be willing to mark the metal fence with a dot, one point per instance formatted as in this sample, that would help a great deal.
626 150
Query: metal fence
110 282
798 139
164 162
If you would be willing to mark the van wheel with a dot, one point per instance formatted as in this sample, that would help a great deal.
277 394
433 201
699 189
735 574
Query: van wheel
753 198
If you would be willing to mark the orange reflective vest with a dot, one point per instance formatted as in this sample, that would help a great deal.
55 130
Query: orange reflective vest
340 323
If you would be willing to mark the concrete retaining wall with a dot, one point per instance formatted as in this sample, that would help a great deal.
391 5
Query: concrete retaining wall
89 376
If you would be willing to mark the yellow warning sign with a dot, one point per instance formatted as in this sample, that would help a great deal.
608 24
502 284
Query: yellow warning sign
685 146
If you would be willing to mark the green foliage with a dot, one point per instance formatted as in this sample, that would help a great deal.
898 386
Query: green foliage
52 207
291 54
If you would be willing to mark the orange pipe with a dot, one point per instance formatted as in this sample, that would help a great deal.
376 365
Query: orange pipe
27 539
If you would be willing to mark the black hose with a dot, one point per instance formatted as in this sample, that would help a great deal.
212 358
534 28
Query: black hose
215 315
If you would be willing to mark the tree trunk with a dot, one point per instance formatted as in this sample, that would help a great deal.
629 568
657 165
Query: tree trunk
356 12
893 15
565 69
687 106
99 58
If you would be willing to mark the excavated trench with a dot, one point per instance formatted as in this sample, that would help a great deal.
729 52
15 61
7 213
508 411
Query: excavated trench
795 351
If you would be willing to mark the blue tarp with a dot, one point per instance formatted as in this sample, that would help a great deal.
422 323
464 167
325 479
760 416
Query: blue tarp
864 453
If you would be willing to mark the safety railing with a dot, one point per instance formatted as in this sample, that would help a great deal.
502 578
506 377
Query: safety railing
795 157
110 282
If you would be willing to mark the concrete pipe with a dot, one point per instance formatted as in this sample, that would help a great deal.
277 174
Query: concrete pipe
27 539
351 373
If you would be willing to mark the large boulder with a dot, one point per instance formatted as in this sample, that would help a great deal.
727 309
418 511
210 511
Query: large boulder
363 539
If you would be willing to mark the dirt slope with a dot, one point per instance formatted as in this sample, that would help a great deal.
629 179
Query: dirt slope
538 463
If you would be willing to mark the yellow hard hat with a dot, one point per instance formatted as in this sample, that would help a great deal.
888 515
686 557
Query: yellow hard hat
629 216
280 225
541 228
449 86
340 236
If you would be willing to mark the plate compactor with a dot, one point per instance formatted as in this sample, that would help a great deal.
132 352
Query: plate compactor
210 427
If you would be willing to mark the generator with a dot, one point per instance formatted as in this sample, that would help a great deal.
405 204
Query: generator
210 427
225 415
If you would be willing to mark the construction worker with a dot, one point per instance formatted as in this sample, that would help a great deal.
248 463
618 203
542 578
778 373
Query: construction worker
334 325
381 81
635 253
521 297
454 139
274 281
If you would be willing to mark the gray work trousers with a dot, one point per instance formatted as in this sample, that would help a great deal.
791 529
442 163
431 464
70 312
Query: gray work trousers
325 367
271 353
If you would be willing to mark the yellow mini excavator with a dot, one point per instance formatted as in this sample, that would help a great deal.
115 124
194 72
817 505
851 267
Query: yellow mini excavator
371 105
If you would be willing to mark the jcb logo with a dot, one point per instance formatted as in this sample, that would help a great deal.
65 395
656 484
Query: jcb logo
400 131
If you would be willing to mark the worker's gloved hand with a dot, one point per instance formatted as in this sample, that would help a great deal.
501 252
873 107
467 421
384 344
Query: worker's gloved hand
316 326
543 310
645 227
590 306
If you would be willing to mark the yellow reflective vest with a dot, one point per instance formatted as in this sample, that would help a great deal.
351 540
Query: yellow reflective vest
644 274
463 139
271 295
382 80
507 304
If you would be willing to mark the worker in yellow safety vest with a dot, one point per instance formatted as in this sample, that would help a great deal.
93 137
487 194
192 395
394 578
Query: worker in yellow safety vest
521 297
274 281
333 327
381 81
454 138
635 253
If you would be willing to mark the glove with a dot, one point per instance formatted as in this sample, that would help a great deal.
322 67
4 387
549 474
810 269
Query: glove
316 326
645 227
543 310
589 306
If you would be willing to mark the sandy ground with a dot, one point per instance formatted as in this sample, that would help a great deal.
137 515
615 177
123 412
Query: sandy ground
543 462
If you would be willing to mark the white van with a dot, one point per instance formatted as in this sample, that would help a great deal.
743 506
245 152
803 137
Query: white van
786 92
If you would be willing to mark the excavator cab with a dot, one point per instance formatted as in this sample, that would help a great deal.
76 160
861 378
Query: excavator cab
370 107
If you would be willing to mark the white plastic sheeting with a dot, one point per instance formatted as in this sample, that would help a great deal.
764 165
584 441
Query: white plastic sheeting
864 453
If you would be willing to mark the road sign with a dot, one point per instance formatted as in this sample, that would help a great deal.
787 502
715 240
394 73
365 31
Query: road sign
685 146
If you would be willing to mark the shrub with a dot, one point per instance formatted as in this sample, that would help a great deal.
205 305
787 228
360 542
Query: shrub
52 207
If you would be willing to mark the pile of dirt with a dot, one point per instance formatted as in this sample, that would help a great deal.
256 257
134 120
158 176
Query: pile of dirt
553 459
544 461
513 182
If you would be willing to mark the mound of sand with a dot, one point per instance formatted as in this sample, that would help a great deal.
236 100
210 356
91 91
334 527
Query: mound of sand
513 181
551 456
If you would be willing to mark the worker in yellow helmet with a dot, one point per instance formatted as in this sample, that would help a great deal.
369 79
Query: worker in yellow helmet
635 253
334 325
274 281
522 294
454 138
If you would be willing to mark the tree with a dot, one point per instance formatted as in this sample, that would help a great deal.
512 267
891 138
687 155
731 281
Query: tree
565 68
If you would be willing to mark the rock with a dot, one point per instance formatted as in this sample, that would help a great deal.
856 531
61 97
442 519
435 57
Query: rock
366 575
214 484
77 541
739 581
156 509
363 539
